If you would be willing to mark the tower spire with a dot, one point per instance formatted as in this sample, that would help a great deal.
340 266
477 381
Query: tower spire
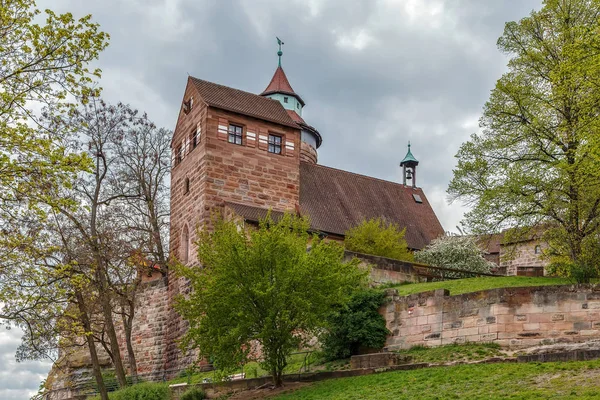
409 168
279 53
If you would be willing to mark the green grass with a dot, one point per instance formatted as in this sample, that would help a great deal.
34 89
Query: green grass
453 352
460 286
254 370
573 380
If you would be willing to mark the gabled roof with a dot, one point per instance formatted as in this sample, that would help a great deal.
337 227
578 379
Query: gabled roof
337 200
280 84
241 102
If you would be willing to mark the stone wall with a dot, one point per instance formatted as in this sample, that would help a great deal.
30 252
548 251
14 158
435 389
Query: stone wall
512 317
521 258
386 270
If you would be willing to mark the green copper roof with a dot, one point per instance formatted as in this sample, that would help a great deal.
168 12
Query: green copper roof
409 157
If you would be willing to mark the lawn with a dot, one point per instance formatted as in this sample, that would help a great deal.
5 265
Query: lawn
453 352
573 380
460 286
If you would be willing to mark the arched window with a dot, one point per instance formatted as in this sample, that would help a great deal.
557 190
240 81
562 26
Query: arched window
185 245
538 249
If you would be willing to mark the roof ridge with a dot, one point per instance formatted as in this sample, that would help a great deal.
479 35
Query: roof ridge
361 175
232 88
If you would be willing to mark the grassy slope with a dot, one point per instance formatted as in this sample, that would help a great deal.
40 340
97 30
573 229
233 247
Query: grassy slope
460 286
574 380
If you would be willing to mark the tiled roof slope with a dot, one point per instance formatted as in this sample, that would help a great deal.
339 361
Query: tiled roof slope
338 200
241 102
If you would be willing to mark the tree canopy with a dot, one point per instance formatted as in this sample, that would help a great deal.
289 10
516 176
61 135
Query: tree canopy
456 252
263 287
380 238
536 159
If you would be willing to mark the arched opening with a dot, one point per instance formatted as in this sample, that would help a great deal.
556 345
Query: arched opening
185 245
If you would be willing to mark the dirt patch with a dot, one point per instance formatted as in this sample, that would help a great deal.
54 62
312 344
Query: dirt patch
265 393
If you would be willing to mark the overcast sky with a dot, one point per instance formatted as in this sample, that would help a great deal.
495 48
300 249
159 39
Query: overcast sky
374 75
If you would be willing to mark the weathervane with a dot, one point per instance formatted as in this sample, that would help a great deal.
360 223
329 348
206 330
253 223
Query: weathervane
279 53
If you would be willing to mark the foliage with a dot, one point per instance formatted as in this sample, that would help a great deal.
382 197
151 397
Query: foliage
193 394
262 287
525 381
578 272
537 157
469 285
377 237
142 391
356 325
457 252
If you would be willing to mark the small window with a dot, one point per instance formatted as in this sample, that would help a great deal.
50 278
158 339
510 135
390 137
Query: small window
187 186
417 198
195 137
538 249
297 105
185 245
285 99
274 144
179 155
235 134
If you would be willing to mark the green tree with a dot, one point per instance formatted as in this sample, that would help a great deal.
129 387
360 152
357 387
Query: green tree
356 325
379 238
263 287
537 157
458 252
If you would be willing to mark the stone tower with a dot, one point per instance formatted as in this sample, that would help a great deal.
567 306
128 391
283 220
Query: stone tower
231 149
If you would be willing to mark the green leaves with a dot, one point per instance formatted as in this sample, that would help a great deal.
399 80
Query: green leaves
536 157
379 238
262 287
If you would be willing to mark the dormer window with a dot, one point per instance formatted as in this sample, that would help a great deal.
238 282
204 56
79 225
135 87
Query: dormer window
285 99
187 105
235 134
274 144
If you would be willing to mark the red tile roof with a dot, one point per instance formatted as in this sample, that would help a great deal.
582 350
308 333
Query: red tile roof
338 200
280 84
241 102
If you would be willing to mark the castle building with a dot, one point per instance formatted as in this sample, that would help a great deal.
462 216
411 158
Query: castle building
244 154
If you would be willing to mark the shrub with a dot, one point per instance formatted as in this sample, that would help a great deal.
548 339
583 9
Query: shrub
578 272
379 238
457 252
142 391
357 325
194 394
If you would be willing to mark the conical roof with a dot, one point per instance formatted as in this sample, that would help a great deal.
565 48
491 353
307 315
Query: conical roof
280 84
409 158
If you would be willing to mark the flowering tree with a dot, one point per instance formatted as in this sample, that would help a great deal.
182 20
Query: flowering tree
458 252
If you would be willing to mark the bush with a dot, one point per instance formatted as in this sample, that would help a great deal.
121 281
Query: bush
194 394
378 238
578 272
455 252
355 326
142 391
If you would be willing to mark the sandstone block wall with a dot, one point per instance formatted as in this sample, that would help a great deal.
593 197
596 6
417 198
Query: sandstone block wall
513 317
515 259
386 270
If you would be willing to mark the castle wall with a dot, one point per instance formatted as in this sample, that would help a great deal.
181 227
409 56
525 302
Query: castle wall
514 317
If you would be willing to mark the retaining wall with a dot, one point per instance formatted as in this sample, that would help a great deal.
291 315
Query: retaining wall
512 317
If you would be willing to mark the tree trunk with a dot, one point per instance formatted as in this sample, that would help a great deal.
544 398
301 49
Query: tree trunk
92 348
110 328
128 326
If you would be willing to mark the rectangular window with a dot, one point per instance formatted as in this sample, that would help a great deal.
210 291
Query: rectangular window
235 134
275 144
178 155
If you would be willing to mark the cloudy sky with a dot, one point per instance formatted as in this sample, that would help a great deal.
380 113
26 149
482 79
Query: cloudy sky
374 74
